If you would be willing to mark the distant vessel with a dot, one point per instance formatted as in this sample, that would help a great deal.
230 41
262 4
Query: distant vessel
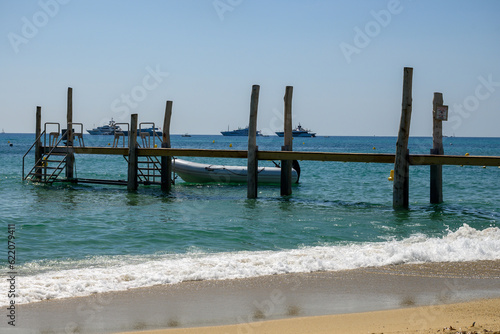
186 135
149 130
107 130
298 132
238 132
3 131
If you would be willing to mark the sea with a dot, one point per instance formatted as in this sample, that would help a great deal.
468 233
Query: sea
80 239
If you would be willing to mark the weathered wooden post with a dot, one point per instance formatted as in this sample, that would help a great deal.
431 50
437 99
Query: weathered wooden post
38 145
70 158
286 165
439 114
402 165
252 164
166 162
132 154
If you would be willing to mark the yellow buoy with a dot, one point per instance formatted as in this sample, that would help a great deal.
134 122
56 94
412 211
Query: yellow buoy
374 148
466 154
156 146
109 144
391 176
213 141
230 145
303 143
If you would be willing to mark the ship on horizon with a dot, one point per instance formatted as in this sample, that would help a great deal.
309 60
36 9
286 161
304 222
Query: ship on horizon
107 130
299 131
112 128
238 132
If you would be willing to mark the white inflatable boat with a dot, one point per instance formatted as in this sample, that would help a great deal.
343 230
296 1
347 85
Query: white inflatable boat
203 173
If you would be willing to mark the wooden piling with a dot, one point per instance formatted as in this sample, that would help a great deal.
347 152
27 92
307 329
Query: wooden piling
38 145
436 171
166 162
286 165
132 155
400 195
252 163
70 158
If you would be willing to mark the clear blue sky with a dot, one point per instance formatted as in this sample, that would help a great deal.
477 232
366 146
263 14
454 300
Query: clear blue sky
345 60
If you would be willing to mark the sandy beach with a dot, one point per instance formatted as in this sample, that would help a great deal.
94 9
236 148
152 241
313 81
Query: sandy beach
420 298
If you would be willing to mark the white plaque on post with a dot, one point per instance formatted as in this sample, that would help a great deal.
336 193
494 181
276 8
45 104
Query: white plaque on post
441 113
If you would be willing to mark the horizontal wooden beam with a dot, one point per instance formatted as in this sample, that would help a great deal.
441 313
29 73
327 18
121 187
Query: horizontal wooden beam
415 159
188 152
471 160
90 150
326 156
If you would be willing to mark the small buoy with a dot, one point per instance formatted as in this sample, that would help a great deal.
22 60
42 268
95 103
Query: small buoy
466 154
156 146
303 143
213 141
109 144
374 148
8 141
230 145
391 176
484 166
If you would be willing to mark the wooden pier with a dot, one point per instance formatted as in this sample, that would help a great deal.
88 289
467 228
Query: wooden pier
52 159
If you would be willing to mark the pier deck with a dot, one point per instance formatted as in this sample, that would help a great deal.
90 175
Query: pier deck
151 162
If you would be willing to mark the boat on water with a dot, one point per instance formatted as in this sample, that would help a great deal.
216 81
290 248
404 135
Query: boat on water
186 135
299 131
194 172
107 130
149 130
238 132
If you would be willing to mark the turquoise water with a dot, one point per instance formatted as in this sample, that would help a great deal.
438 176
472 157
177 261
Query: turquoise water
339 216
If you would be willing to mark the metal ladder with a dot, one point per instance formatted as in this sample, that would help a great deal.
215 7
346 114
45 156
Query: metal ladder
48 168
148 167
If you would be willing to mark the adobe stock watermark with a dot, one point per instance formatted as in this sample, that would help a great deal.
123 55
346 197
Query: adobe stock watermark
223 6
152 80
423 316
31 26
483 91
265 308
373 28
91 313
275 123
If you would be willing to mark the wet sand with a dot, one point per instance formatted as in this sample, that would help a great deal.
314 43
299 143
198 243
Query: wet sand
252 304
471 317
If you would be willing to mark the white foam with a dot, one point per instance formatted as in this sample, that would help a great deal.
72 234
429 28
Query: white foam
49 280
